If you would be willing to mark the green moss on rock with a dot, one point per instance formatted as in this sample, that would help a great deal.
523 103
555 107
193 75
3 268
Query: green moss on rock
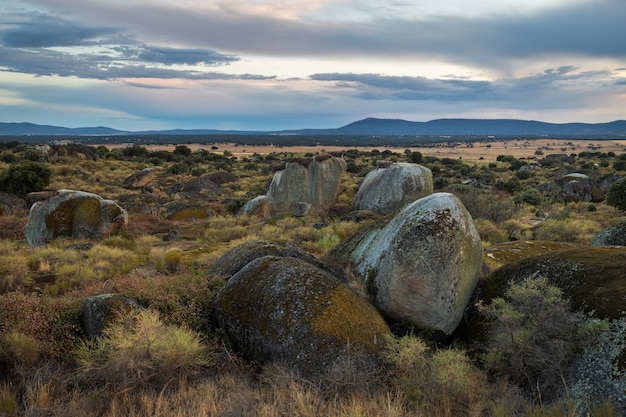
286 309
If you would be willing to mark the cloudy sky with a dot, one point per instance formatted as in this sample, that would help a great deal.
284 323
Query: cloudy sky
279 64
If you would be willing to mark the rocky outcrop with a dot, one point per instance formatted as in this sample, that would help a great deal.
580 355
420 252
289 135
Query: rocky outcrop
574 187
101 310
51 153
12 204
316 182
389 187
235 259
614 235
74 214
140 179
285 309
420 266
591 277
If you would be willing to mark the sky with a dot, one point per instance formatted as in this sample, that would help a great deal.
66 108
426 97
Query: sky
278 64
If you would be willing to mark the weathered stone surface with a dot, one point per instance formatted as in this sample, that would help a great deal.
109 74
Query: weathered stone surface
11 204
422 265
614 235
301 209
235 259
574 187
285 309
388 188
316 182
74 214
201 185
255 207
51 153
593 278
139 179
101 310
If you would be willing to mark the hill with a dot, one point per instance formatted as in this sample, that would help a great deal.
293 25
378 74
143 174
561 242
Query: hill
367 127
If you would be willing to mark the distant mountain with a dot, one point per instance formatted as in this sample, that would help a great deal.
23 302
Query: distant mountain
369 127
34 129
481 127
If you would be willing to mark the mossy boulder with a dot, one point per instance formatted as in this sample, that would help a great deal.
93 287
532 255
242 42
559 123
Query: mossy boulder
614 235
75 214
389 187
574 187
103 309
315 181
420 266
509 252
593 278
235 259
285 309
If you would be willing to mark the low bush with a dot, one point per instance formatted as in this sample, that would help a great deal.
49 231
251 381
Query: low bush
533 338
139 351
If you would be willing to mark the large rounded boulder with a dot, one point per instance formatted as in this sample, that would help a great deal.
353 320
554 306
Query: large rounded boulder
314 181
286 309
75 214
593 278
139 179
422 265
388 188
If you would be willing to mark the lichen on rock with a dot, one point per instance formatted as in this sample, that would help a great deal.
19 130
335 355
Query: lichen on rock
285 309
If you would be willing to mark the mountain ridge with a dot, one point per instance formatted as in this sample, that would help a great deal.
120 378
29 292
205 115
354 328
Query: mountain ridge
366 127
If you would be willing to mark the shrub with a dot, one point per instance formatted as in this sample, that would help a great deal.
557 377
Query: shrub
532 338
529 195
616 195
439 382
139 351
170 260
24 178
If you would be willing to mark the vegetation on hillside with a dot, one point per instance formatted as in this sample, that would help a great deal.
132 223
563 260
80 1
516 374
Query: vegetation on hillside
538 356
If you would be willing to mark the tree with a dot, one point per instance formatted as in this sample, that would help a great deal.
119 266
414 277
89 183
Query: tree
25 178
616 196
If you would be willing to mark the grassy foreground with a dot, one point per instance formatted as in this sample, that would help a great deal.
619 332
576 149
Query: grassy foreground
172 361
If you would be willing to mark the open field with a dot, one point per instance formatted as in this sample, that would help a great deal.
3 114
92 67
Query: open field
487 151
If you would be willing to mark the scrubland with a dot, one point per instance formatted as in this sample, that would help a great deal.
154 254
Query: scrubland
171 360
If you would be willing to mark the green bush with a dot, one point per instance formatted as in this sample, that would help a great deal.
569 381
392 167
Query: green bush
616 195
529 195
533 338
25 178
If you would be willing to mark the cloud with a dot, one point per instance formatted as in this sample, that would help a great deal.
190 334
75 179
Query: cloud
39 44
589 28
38 30
551 82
